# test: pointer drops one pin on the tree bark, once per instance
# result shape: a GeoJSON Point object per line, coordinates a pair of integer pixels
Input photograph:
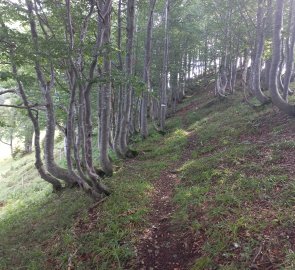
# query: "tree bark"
{"type": "Point", "coordinates": [259, 47]}
{"type": "Point", "coordinates": [127, 88]}
{"type": "Point", "coordinates": [163, 94]}
{"type": "Point", "coordinates": [105, 91]}
{"type": "Point", "coordinates": [45, 88]}
{"type": "Point", "coordinates": [29, 139]}
{"type": "Point", "coordinates": [275, 94]}
{"type": "Point", "coordinates": [289, 51]}
{"type": "Point", "coordinates": [147, 71]}
{"type": "Point", "coordinates": [34, 119]}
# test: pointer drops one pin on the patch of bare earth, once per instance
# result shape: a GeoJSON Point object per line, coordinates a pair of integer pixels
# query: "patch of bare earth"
{"type": "Point", "coordinates": [192, 106]}
{"type": "Point", "coordinates": [162, 245]}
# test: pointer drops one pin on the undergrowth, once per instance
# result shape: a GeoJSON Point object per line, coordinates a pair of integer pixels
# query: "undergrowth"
{"type": "Point", "coordinates": [236, 192]}
{"type": "Point", "coordinates": [42, 230]}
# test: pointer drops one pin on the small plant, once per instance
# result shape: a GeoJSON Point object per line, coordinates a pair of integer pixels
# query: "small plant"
{"type": "Point", "coordinates": [202, 263]}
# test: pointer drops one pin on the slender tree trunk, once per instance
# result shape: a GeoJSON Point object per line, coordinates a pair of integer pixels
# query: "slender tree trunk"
{"type": "Point", "coordinates": [174, 90]}
{"type": "Point", "coordinates": [105, 92]}
{"type": "Point", "coordinates": [120, 103]}
{"type": "Point", "coordinates": [45, 88]}
{"type": "Point", "coordinates": [127, 97]}
{"type": "Point", "coordinates": [267, 71]}
{"type": "Point", "coordinates": [235, 71]}
{"type": "Point", "coordinates": [206, 51]}
{"type": "Point", "coordinates": [70, 135]}
{"type": "Point", "coordinates": [146, 72]}
{"type": "Point", "coordinates": [259, 47]}
{"type": "Point", "coordinates": [163, 96]}
{"type": "Point", "coordinates": [80, 138]}
{"type": "Point", "coordinates": [34, 119]}
{"type": "Point", "coordinates": [29, 133]}
{"type": "Point", "coordinates": [245, 69]}
{"type": "Point", "coordinates": [11, 145]}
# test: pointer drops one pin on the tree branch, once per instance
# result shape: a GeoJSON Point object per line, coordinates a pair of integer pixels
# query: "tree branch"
{"type": "Point", "coordinates": [5, 143]}
{"type": "Point", "coordinates": [5, 91]}
{"type": "Point", "coordinates": [31, 107]}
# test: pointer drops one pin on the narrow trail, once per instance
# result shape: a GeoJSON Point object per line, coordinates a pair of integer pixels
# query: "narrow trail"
{"type": "Point", "coordinates": [164, 246]}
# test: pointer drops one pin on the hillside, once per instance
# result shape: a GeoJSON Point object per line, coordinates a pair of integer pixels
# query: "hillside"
{"type": "Point", "coordinates": [216, 192]}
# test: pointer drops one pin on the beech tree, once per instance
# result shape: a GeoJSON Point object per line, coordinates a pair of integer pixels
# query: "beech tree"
{"type": "Point", "coordinates": [102, 71]}
{"type": "Point", "coordinates": [127, 89]}
{"type": "Point", "coordinates": [105, 88]}
{"type": "Point", "coordinates": [147, 71]}
{"type": "Point", "coordinates": [257, 54]}
{"type": "Point", "coordinates": [277, 97]}
{"type": "Point", "coordinates": [164, 85]}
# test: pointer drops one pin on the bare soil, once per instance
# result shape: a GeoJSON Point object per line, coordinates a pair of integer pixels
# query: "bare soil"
{"type": "Point", "coordinates": [163, 245]}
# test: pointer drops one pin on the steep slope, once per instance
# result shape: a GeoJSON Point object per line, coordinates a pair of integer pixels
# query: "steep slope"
{"type": "Point", "coordinates": [216, 192]}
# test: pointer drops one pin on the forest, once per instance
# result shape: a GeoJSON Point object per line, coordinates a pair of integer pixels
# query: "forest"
{"type": "Point", "coordinates": [147, 134]}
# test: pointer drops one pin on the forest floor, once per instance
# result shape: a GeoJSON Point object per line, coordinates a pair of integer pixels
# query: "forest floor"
{"type": "Point", "coordinates": [216, 192]}
{"type": "Point", "coordinates": [162, 245]}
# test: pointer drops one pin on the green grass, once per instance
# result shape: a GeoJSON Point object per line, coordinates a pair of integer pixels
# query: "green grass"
{"type": "Point", "coordinates": [237, 183]}
{"type": "Point", "coordinates": [42, 230]}
{"type": "Point", "coordinates": [234, 192]}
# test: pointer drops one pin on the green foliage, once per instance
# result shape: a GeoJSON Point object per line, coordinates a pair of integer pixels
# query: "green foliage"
{"type": "Point", "coordinates": [5, 76]}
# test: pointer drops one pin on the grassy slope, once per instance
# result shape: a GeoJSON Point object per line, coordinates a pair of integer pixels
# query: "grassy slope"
{"type": "Point", "coordinates": [42, 230]}
{"type": "Point", "coordinates": [236, 193]}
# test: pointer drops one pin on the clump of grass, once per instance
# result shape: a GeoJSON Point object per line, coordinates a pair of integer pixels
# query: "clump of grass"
{"type": "Point", "coordinates": [284, 145]}
{"type": "Point", "coordinates": [203, 263]}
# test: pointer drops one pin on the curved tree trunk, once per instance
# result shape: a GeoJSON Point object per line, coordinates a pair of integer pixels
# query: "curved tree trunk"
{"type": "Point", "coordinates": [79, 136]}
{"type": "Point", "coordinates": [70, 132]}
{"type": "Point", "coordinates": [45, 88]}
{"type": "Point", "coordinates": [259, 47]}
{"type": "Point", "coordinates": [34, 119]}
{"type": "Point", "coordinates": [289, 52]}
{"type": "Point", "coordinates": [276, 96]}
